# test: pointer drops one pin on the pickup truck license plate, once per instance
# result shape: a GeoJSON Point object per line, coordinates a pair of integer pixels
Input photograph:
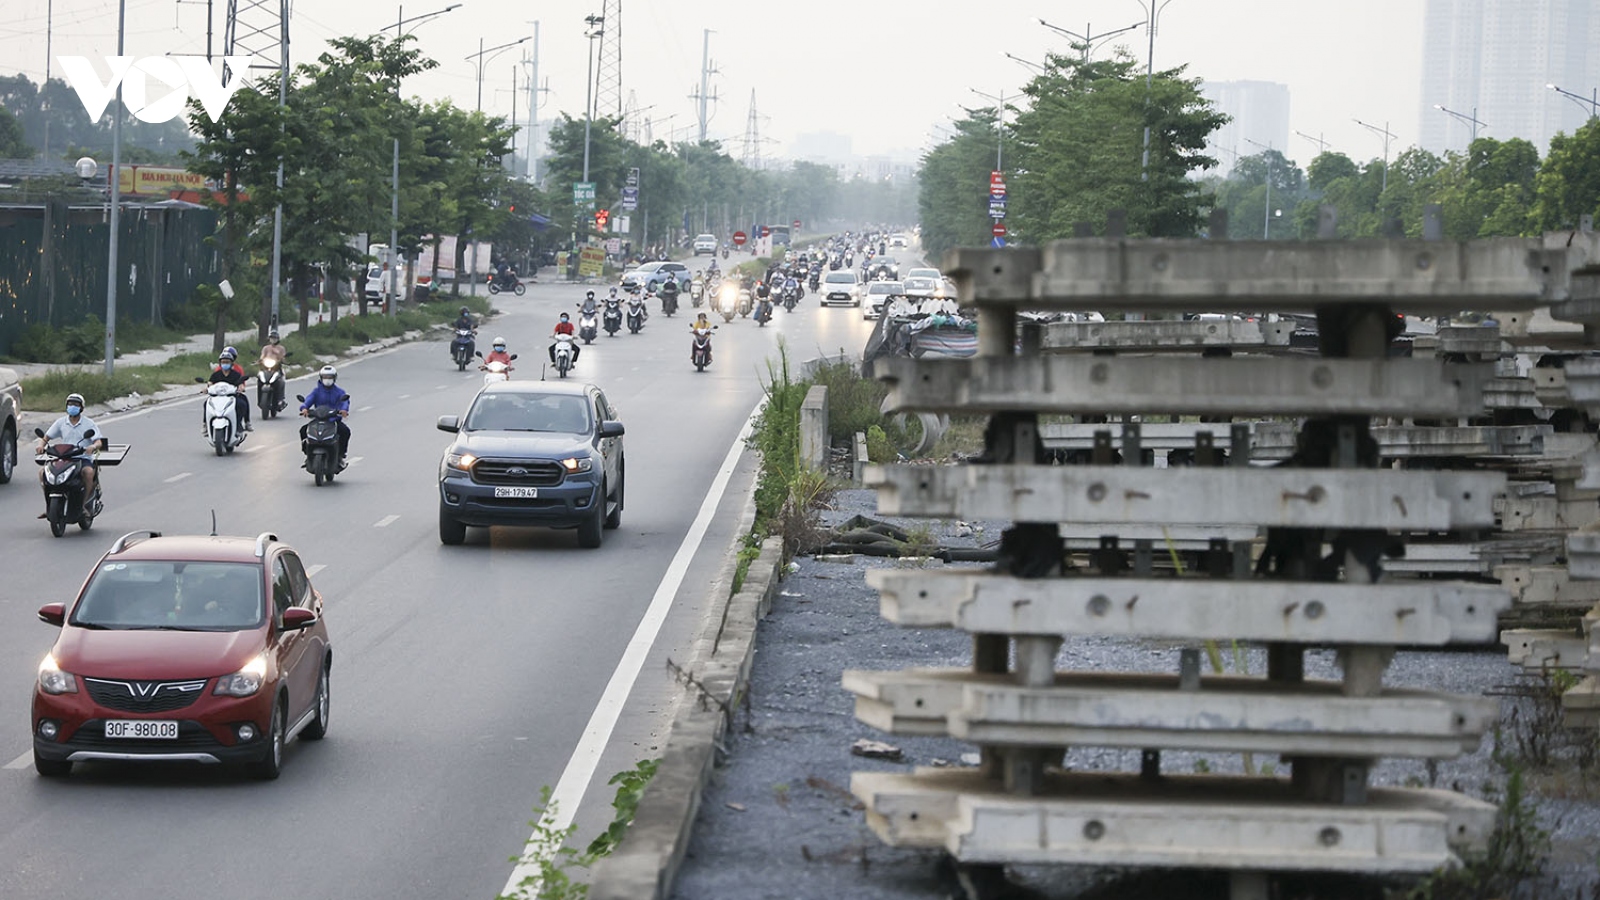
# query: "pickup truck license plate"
{"type": "Point", "coordinates": [142, 729]}
{"type": "Point", "coordinates": [516, 493]}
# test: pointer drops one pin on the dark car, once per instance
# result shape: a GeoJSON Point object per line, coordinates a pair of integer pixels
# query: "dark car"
{"type": "Point", "coordinates": [185, 649]}
{"type": "Point", "coordinates": [882, 268]}
{"type": "Point", "coordinates": [533, 453]}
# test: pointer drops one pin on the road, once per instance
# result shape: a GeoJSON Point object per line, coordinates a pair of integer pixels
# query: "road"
{"type": "Point", "coordinates": [463, 676]}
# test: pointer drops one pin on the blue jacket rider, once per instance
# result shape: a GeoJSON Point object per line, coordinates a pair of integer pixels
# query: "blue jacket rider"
{"type": "Point", "coordinates": [328, 393]}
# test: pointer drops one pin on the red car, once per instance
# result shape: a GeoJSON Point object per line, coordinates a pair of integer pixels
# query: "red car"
{"type": "Point", "coordinates": [197, 648]}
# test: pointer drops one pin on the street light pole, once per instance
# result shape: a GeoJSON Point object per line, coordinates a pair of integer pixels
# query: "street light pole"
{"type": "Point", "coordinates": [1266, 218]}
{"type": "Point", "coordinates": [116, 201]}
{"type": "Point", "coordinates": [1152, 21]}
{"type": "Point", "coordinates": [1593, 100]}
{"type": "Point", "coordinates": [1471, 120]}
{"type": "Point", "coordinates": [588, 88]}
{"type": "Point", "coordinates": [1387, 136]}
{"type": "Point", "coordinates": [999, 124]}
{"type": "Point", "coordinates": [1088, 39]}
{"type": "Point", "coordinates": [491, 52]}
{"type": "Point", "coordinates": [1322, 145]}
{"type": "Point", "coordinates": [394, 172]}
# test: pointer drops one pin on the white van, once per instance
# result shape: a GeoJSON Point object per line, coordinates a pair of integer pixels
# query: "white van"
{"type": "Point", "coordinates": [705, 243]}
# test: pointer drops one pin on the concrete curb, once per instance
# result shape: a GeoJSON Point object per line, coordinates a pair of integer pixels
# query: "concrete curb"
{"type": "Point", "coordinates": [645, 864]}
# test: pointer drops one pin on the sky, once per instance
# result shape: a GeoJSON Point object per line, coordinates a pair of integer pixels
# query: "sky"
{"type": "Point", "coordinates": [889, 73]}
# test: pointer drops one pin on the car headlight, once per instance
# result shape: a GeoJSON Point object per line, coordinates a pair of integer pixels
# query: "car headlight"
{"type": "Point", "coordinates": [577, 464]}
{"type": "Point", "coordinates": [54, 681]}
{"type": "Point", "coordinates": [461, 462]}
{"type": "Point", "coordinates": [246, 681]}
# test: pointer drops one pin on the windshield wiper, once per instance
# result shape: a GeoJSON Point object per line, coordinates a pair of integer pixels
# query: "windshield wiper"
{"type": "Point", "coordinates": [92, 626]}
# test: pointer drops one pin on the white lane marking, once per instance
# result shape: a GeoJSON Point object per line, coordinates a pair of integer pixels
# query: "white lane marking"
{"type": "Point", "coordinates": [363, 409]}
{"type": "Point", "coordinates": [311, 571]}
{"type": "Point", "coordinates": [585, 759]}
{"type": "Point", "coordinates": [178, 477]}
{"type": "Point", "coordinates": [440, 387]}
{"type": "Point", "coordinates": [354, 459]}
{"type": "Point", "coordinates": [405, 396]}
{"type": "Point", "coordinates": [385, 522]}
{"type": "Point", "coordinates": [21, 762]}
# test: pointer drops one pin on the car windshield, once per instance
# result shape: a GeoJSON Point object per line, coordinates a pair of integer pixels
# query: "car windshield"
{"type": "Point", "coordinates": [529, 412]}
{"type": "Point", "coordinates": [172, 596]}
{"type": "Point", "coordinates": [885, 287]}
{"type": "Point", "coordinates": [841, 278]}
{"type": "Point", "coordinates": [919, 283]}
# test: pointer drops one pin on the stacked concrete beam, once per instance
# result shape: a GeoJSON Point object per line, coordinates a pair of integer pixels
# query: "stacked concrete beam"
{"type": "Point", "coordinates": [1328, 515]}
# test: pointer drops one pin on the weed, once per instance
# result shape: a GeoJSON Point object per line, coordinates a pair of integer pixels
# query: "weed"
{"type": "Point", "coordinates": [1516, 853]}
{"type": "Point", "coordinates": [547, 851]}
{"type": "Point", "coordinates": [1202, 767]}
{"type": "Point", "coordinates": [780, 794]}
{"type": "Point", "coordinates": [630, 787]}
{"type": "Point", "coordinates": [854, 403]}
{"type": "Point", "coordinates": [879, 448]}
{"type": "Point", "coordinates": [747, 555]}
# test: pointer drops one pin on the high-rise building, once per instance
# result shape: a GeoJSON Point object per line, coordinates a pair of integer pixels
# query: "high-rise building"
{"type": "Point", "coordinates": [1491, 60]}
{"type": "Point", "coordinates": [1259, 111]}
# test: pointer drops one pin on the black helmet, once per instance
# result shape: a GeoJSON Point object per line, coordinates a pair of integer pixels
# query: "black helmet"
{"type": "Point", "coordinates": [464, 310]}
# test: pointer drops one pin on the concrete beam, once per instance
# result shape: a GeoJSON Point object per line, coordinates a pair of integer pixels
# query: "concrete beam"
{"type": "Point", "coordinates": [1583, 554]}
{"type": "Point", "coordinates": [1423, 277]}
{"type": "Point", "coordinates": [1225, 714]}
{"type": "Point", "coordinates": [1210, 822]}
{"type": "Point", "coordinates": [1167, 335]}
{"type": "Point", "coordinates": [1430, 613]}
{"type": "Point", "coordinates": [1293, 498]}
{"type": "Point", "coordinates": [1547, 586]}
{"type": "Point", "coordinates": [1276, 440]}
{"type": "Point", "coordinates": [1245, 386]}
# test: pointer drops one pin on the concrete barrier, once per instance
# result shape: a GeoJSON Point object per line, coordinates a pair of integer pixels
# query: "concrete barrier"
{"type": "Point", "coordinates": [645, 864]}
{"type": "Point", "coordinates": [814, 439]}
{"type": "Point", "coordinates": [860, 460]}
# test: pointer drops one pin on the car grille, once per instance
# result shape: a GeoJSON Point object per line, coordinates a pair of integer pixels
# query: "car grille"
{"type": "Point", "coordinates": [144, 696]}
{"type": "Point", "coordinates": [518, 474]}
{"type": "Point", "coordinates": [91, 735]}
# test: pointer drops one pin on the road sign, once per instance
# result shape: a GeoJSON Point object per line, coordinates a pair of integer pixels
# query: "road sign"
{"type": "Point", "coordinates": [999, 229]}
{"type": "Point", "coordinates": [765, 231]}
{"type": "Point", "coordinates": [630, 198]}
{"type": "Point", "coordinates": [796, 224]}
{"type": "Point", "coordinates": [633, 178]}
{"type": "Point", "coordinates": [583, 194]}
{"type": "Point", "coordinates": [997, 177]}
{"type": "Point", "coordinates": [739, 238]}
{"type": "Point", "coordinates": [997, 207]}
{"type": "Point", "coordinates": [613, 245]}
{"type": "Point", "coordinates": [998, 242]}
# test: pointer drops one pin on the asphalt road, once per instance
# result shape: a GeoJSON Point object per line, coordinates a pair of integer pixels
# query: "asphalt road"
{"type": "Point", "coordinates": [463, 676]}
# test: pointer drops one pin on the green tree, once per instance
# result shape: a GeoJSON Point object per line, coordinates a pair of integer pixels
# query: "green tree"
{"type": "Point", "coordinates": [12, 146]}
{"type": "Point", "coordinates": [1568, 185]}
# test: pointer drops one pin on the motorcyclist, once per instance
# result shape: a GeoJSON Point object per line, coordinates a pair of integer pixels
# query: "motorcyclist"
{"type": "Point", "coordinates": [669, 290]}
{"type": "Point", "coordinates": [564, 327]}
{"type": "Point", "coordinates": [328, 393]}
{"type": "Point", "coordinates": [497, 353]}
{"type": "Point", "coordinates": [589, 305]}
{"type": "Point", "coordinates": [505, 275]}
{"type": "Point", "coordinates": [791, 287]}
{"type": "Point", "coordinates": [227, 369]}
{"type": "Point", "coordinates": [273, 350]}
{"type": "Point", "coordinates": [699, 327]}
{"type": "Point", "coordinates": [464, 320]}
{"type": "Point", "coordinates": [70, 429]}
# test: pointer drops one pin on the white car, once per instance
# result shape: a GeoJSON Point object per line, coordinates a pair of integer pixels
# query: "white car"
{"type": "Point", "coordinates": [897, 240]}
{"type": "Point", "coordinates": [840, 287]}
{"type": "Point", "coordinates": [705, 243]}
{"type": "Point", "coordinates": [878, 294]}
{"type": "Point", "coordinates": [921, 286]}
{"type": "Point", "coordinates": [923, 273]}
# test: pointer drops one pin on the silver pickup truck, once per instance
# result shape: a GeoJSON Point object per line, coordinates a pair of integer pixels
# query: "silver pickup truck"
{"type": "Point", "coordinates": [10, 407]}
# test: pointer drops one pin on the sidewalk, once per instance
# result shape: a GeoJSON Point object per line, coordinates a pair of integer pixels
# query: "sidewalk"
{"type": "Point", "coordinates": [199, 343]}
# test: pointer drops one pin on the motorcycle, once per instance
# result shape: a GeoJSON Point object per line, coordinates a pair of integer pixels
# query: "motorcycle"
{"type": "Point", "coordinates": [222, 417]}
{"type": "Point", "coordinates": [612, 318]}
{"type": "Point", "coordinates": [700, 351]}
{"type": "Point", "coordinates": [320, 444]}
{"type": "Point", "coordinates": [510, 283]}
{"type": "Point", "coordinates": [724, 252]}
{"type": "Point", "coordinates": [64, 502]}
{"type": "Point", "coordinates": [697, 293]}
{"type": "Point", "coordinates": [791, 296]}
{"type": "Point", "coordinates": [746, 301]}
{"type": "Point", "coordinates": [727, 302]}
{"type": "Point", "coordinates": [588, 326]}
{"type": "Point", "coordinates": [635, 315]}
{"type": "Point", "coordinates": [496, 371]}
{"type": "Point", "coordinates": [462, 348]}
{"type": "Point", "coordinates": [563, 354]}
{"type": "Point", "coordinates": [764, 312]}
{"type": "Point", "coordinates": [816, 280]}
{"type": "Point", "coordinates": [669, 303]}
{"type": "Point", "coordinates": [269, 388]}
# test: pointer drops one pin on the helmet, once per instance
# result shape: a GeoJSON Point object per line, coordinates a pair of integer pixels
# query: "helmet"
{"type": "Point", "coordinates": [565, 317]}
{"type": "Point", "coordinates": [328, 375]}
{"type": "Point", "coordinates": [272, 336]}
{"type": "Point", "coordinates": [500, 343]}
{"type": "Point", "coordinates": [589, 295]}
{"type": "Point", "coordinates": [75, 399]}
{"type": "Point", "coordinates": [226, 357]}
{"type": "Point", "coordinates": [464, 310]}
{"type": "Point", "coordinates": [230, 352]}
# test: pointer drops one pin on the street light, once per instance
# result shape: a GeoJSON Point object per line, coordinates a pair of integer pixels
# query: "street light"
{"type": "Point", "coordinates": [1387, 136]}
{"type": "Point", "coordinates": [1471, 120]}
{"type": "Point", "coordinates": [1592, 101]}
{"type": "Point", "coordinates": [595, 30]}
{"type": "Point", "coordinates": [115, 177]}
{"type": "Point", "coordinates": [1088, 40]}
{"type": "Point", "coordinates": [492, 53]}
{"type": "Point", "coordinates": [1153, 21]}
{"type": "Point", "coordinates": [1027, 62]}
{"type": "Point", "coordinates": [1322, 145]}
{"type": "Point", "coordinates": [1266, 215]}
{"type": "Point", "coordinates": [999, 122]}
{"type": "Point", "coordinates": [400, 21]}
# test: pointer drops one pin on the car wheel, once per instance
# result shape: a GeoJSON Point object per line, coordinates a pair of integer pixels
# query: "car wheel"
{"type": "Point", "coordinates": [8, 453]}
{"type": "Point", "coordinates": [451, 532]}
{"type": "Point", "coordinates": [318, 729]}
{"type": "Point", "coordinates": [51, 768]}
{"type": "Point", "coordinates": [614, 518]}
{"type": "Point", "coordinates": [270, 765]}
{"type": "Point", "coordinates": [593, 524]}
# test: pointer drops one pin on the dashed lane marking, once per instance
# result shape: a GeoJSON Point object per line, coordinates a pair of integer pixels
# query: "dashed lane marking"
{"type": "Point", "coordinates": [178, 477]}
{"type": "Point", "coordinates": [21, 762]}
{"type": "Point", "coordinates": [385, 522]}
{"type": "Point", "coordinates": [311, 571]}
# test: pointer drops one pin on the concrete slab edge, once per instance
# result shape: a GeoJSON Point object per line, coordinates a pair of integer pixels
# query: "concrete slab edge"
{"type": "Point", "coordinates": [645, 864]}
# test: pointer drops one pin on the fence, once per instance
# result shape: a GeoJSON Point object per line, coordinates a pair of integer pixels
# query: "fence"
{"type": "Point", "coordinates": [53, 262]}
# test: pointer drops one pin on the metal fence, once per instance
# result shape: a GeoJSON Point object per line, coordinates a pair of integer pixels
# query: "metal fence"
{"type": "Point", "coordinates": [53, 263]}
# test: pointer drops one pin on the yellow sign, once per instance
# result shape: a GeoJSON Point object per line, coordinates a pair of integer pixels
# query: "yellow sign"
{"type": "Point", "coordinates": [591, 261]}
{"type": "Point", "coordinates": [158, 180]}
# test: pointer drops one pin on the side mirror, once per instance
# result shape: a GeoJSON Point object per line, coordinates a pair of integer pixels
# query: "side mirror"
{"type": "Point", "coordinates": [300, 397]}
{"type": "Point", "coordinates": [38, 432]}
{"type": "Point", "coordinates": [514, 356]}
{"type": "Point", "coordinates": [53, 614]}
{"type": "Point", "coordinates": [296, 618]}
{"type": "Point", "coordinates": [452, 424]}
{"type": "Point", "coordinates": [199, 380]}
{"type": "Point", "coordinates": [611, 428]}
{"type": "Point", "coordinates": [478, 354]}
{"type": "Point", "coordinates": [89, 435]}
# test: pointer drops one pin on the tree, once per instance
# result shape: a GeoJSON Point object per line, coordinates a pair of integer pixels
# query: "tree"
{"type": "Point", "coordinates": [1568, 185]}
{"type": "Point", "coordinates": [12, 146]}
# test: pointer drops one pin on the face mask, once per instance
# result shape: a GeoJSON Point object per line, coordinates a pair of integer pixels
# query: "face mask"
{"type": "Point", "coordinates": [74, 410]}
{"type": "Point", "coordinates": [327, 382]}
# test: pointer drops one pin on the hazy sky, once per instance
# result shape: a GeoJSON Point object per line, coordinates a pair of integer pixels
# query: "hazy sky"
{"type": "Point", "coordinates": [886, 72]}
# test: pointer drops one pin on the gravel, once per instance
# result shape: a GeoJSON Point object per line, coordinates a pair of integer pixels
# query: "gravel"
{"type": "Point", "coordinates": [777, 819]}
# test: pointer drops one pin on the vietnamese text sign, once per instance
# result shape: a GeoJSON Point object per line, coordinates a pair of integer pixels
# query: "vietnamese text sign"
{"type": "Point", "coordinates": [591, 260]}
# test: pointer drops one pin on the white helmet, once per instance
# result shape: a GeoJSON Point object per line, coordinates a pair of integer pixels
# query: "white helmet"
{"type": "Point", "coordinates": [328, 375]}
{"type": "Point", "coordinates": [500, 344]}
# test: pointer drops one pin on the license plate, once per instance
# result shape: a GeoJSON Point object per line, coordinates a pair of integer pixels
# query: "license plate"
{"type": "Point", "coordinates": [143, 729]}
{"type": "Point", "coordinates": [516, 493]}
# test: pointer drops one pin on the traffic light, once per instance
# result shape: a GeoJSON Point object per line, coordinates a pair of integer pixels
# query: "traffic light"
{"type": "Point", "coordinates": [601, 216]}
